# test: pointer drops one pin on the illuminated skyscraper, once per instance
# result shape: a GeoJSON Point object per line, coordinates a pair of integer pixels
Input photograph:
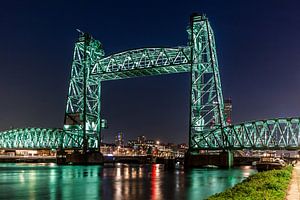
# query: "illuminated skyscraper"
{"type": "Point", "coordinates": [228, 110]}
{"type": "Point", "coordinates": [119, 139]}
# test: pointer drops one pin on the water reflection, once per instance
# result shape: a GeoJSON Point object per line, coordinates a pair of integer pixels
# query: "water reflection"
{"type": "Point", "coordinates": [36, 181]}
{"type": "Point", "coordinates": [155, 182]}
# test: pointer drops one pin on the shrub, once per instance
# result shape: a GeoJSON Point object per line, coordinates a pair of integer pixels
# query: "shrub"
{"type": "Point", "coordinates": [263, 185]}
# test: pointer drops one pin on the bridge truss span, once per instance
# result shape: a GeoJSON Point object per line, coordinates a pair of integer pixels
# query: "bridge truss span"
{"type": "Point", "coordinates": [38, 138]}
{"type": "Point", "coordinates": [142, 62]}
{"type": "Point", "coordinates": [280, 133]}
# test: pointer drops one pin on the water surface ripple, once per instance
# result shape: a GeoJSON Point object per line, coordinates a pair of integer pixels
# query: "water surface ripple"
{"type": "Point", "coordinates": [120, 181]}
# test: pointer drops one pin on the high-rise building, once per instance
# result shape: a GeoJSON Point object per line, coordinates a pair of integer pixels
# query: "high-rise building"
{"type": "Point", "coordinates": [228, 110]}
{"type": "Point", "coordinates": [141, 139]}
{"type": "Point", "coordinates": [119, 139]}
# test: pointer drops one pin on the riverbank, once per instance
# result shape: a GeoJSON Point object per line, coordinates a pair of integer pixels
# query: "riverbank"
{"type": "Point", "coordinates": [264, 185]}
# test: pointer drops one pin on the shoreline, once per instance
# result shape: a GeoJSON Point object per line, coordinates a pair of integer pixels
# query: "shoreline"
{"type": "Point", "coordinates": [271, 184]}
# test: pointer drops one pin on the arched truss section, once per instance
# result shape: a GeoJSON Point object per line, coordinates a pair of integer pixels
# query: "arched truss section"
{"type": "Point", "coordinates": [39, 138]}
{"type": "Point", "coordinates": [84, 96]}
{"type": "Point", "coordinates": [143, 62]}
{"type": "Point", "coordinates": [263, 134]}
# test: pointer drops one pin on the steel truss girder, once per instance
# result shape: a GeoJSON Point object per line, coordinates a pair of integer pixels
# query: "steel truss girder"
{"type": "Point", "coordinates": [39, 138]}
{"type": "Point", "coordinates": [263, 134]}
{"type": "Point", "coordinates": [143, 62]}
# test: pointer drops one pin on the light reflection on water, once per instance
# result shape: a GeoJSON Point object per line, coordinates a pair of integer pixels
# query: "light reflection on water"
{"type": "Point", "coordinates": [48, 181]}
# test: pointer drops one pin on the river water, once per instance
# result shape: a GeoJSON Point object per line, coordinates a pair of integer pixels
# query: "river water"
{"type": "Point", "coordinates": [121, 181]}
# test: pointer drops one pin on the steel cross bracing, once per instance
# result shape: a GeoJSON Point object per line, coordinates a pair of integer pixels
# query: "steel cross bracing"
{"type": "Point", "coordinates": [83, 102]}
{"type": "Point", "coordinates": [142, 62]}
{"type": "Point", "coordinates": [206, 93]}
{"type": "Point", "coordinates": [207, 129]}
{"type": "Point", "coordinates": [38, 138]}
{"type": "Point", "coordinates": [281, 133]}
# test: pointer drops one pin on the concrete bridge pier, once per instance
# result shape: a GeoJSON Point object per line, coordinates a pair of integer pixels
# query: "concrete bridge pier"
{"type": "Point", "coordinates": [222, 159]}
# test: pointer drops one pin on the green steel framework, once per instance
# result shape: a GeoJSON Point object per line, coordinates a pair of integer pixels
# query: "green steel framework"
{"type": "Point", "coordinates": [207, 130]}
{"type": "Point", "coordinates": [36, 138]}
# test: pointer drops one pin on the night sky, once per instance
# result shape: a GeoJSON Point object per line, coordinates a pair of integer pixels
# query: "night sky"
{"type": "Point", "coordinates": [258, 46]}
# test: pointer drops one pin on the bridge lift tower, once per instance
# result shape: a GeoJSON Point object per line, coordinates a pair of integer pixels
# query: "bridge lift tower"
{"type": "Point", "coordinates": [90, 68]}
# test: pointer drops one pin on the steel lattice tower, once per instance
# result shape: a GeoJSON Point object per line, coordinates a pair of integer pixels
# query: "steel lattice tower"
{"type": "Point", "coordinates": [83, 108]}
{"type": "Point", "coordinates": [207, 105]}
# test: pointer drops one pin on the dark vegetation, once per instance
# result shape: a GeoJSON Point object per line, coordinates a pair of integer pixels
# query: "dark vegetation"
{"type": "Point", "coordinates": [270, 185]}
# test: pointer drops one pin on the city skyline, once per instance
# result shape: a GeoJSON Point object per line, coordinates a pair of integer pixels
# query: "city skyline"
{"type": "Point", "coordinates": [258, 66]}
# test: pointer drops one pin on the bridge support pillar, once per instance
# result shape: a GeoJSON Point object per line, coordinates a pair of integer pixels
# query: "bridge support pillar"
{"type": "Point", "coordinates": [226, 158]}
{"type": "Point", "coordinates": [223, 159]}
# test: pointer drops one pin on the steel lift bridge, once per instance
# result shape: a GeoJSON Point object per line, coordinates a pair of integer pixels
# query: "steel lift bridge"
{"type": "Point", "coordinates": [207, 128]}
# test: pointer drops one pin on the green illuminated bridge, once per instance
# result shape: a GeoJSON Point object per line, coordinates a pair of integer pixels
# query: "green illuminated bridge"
{"type": "Point", "coordinates": [207, 129]}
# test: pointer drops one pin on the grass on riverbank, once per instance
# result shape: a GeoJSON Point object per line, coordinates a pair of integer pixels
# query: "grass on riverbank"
{"type": "Point", "coordinates": [264, 185]}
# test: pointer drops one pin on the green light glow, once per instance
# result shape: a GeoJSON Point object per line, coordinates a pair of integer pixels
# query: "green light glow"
{"type": "Point", "coordinates": [208, 129]}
